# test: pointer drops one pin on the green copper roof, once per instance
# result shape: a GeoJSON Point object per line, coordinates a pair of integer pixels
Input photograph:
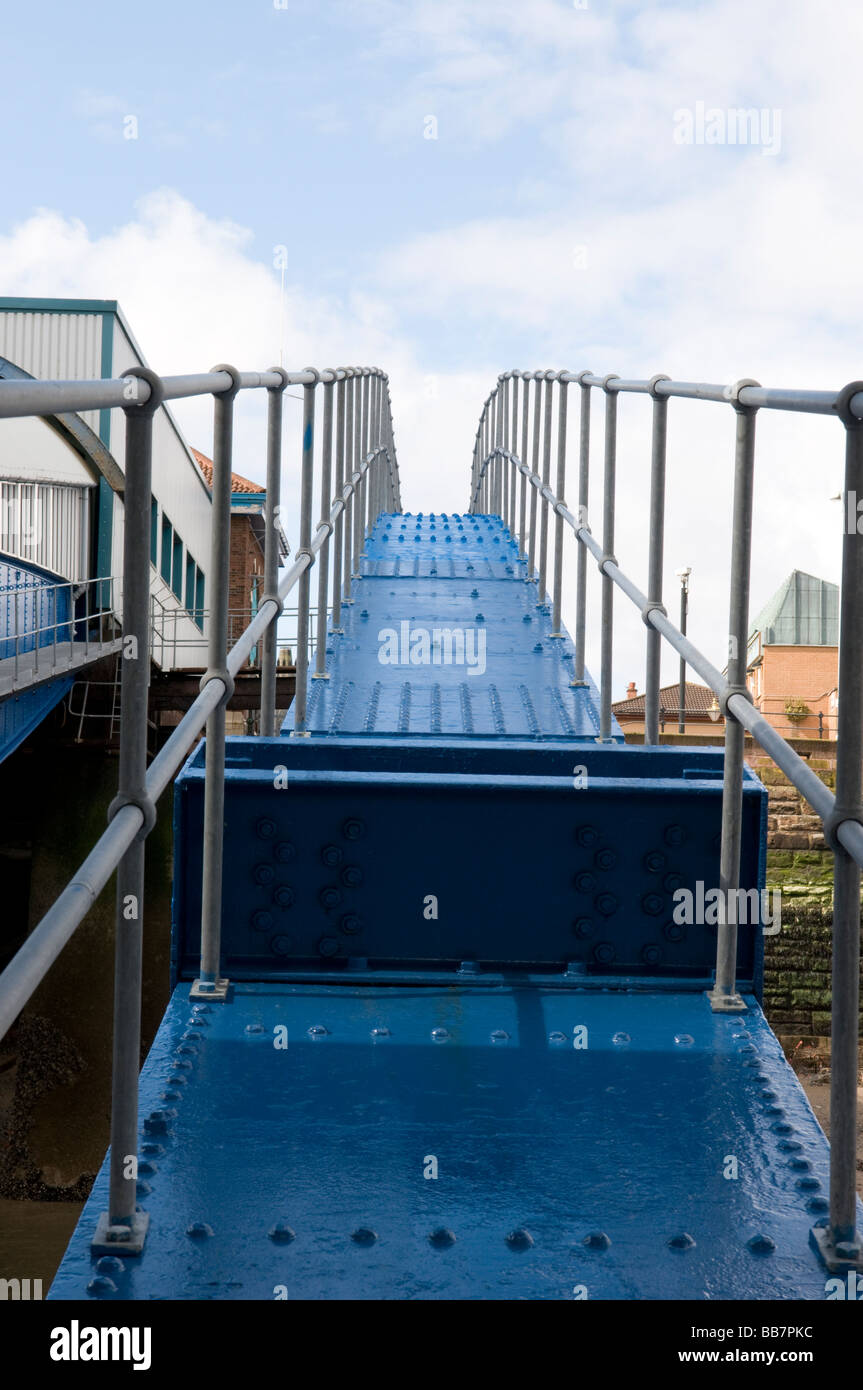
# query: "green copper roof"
{"type": "Point", "coordinates": [804, 612]}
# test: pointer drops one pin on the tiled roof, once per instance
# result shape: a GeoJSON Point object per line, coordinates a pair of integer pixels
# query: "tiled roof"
{"type": "Point", "coordinates": [698, 701]}
{"type": "Point", "coordinates": [238, 483]}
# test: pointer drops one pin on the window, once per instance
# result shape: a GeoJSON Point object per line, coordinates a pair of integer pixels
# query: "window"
{"type": "Point", "coordinates": [177, 574]}
{"type": "Point", "coordinates": [154, 531]}
{"type": "Point", "coordinates": [190, 583]}
{"type": "Point", "coordinates": [199, 599]}
{"type": "Point", "coordinates": [167, 548]}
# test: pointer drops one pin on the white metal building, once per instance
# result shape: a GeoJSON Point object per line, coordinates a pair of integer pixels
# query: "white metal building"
{"type": "Point", "coordinates": [61, 480]}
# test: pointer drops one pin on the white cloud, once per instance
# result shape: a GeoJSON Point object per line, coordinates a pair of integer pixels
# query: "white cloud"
{"type": "Point", "coordinates": [705, 262]}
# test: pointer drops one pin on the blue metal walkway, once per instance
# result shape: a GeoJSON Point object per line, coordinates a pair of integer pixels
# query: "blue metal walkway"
{"type": "Point", "coordinates": [467, 1051]}
{"type": "Point", "coordinates": [427, 573]}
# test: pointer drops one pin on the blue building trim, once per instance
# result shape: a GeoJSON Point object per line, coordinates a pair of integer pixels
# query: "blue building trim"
{"type": "Point", "coordinates": [24, 305]}
{"type": "Point", "coordinates": [105, 501]}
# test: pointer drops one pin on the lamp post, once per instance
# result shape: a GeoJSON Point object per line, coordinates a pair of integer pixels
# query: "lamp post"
{"type": "Point", "coordinates": [683, 576]}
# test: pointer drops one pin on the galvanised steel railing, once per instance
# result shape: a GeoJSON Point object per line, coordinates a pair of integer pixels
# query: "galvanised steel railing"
{"type": "Point", "coordinates": [359, 480]}
{"type": "Point", "coordinates": [53, 625]}
{"type": "Point", "coordinates": [499, 464]}
{"type": "Point", "coordinates": [169, 636]}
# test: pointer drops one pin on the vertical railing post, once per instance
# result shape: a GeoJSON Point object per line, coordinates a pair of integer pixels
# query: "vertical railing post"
{"type": "Point", "coordinates": [505, 445]}
{"type": "Point", "coordinates": [494, 471]}
{"type": "Point", "coordinates": [498, 445]}
{"type": "Point", "coordinates": [490, 465]}
{"type": "Point", "coordinates": [307, 479]}
{"type": "Point", "coordinates": [359, 454]}
{"type": "Point", "coordinates": [581, 557]}
{"type": "Point", "coordinates": [724, 997]}
{"type": "Point", "coordinates": [537, 424]}
{"type": "Point", "coordinates": [608, 499]}
{"type": "Point", "coordinates": [550, 378]}
{"type": "Point", "coordinates": [522, 510]}
{"type": "Point", "coordinates": [390, 502]}
{"type": "Point", "coordinates": [396, 487]}
{"type": "Point", "coordinates": [656, 542]}
{"type": "Point", "coordinates": [384, 464]}
{"type": "Point", "coordinates": [483, 456]}
{"type": "Point", "coordinates": [373, 443]}
{"type": "Point", "coordinates": [269, 642]}
{"type": "Point", "coordinates": [341, 392]}
{"type": "Point", "coordinates": [320, 674]}
{"type": "Point", "coordinates": [489, 462]}
{"type": "Point", "coordinates": [350, 428]}
{"type": "Point", "coordinates": [513, 447]}
{"type": "Point", "coordinates": [209, 982]}
{"type": "Point", "coordinates": [370, 420]}
{"type": "Point", "coordinates": [683, 575]}
{"type": "Point", "coordinates": [367, 444]}
{"type": "Point", "coordinates": [486, 467]}
{"type": "Point", "coordinates": [374, 480]}
{"type": "Point", "coordinates": [559, 489]}
{"type": "Point", "coordinates": [839, 1243]}
{"type": "Point", "coordinates": [480, 477]}
{"type": "Point", "coordinates": [365, 512]}
{"type": "Point", "coordinates": [122, 1229]}
{"type": "Point", "coordinates": [376, 445]}
{"type": "Point", "coordinates": [359, 501]}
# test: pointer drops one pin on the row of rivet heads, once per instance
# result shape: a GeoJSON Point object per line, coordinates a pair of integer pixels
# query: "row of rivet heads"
{"type": "Point", "coordinates": [443, 1238]}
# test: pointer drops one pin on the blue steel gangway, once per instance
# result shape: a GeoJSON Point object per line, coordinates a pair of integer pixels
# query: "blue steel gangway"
{"type": "Point", "coordinates": [437, 1029]}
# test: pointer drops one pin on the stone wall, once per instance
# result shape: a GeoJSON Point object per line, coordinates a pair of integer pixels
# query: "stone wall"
{"type": "Point", "coordinates": [797, 962]}
{"type": "Point", "coordinates": [797, 976]}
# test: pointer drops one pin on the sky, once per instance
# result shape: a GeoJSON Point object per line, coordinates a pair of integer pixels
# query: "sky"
{"type": "Point", "coordinates": [464, 187]}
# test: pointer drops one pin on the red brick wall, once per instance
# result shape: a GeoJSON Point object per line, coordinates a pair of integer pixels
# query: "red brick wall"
{"type": "Point", "coordinates": [803, 673]}
{"type": "Point", "coordinates": [247, 560]}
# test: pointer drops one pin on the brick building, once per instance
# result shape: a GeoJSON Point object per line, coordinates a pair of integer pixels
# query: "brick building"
{"type": "Point", "coordinates": [700, 715]}
{"type": "Point", "coordinates": [792, 660]}
{"type": "Point", "coordinates": [247, 547]}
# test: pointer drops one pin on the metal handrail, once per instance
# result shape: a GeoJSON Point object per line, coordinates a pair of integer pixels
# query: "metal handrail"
{"type": "Point", "coordinates": [238, 620]}
{"type": "Point", "coordinates": [361, 456]}
{"type": "Point", "coordinates": [819, 796]}
{"type": "Point", "coordinates": [498, 465]}
{"type": "Point", "coordinates": [26, 639]}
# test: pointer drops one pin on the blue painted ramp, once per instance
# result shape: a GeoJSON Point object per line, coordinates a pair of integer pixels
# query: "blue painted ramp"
{"type": "Point", "coordinates": [467, 1050]}
{"type": "Point", "coordinates": [459, 577]}
{"type": "Point", "coordinates": [600, 1166]}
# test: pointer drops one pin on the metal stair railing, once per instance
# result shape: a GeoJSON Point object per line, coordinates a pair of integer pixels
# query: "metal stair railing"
{"type": "Point", "coordinates": [498, 465]}
{"type": "Point", "coordinates": [359, 480]}
{"type": "Point", "coordinates": [52, 625]}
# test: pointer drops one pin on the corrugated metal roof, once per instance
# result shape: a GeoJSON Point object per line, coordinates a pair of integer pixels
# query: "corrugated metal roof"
{"type": "Point", "coordinates": [804, 612]}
